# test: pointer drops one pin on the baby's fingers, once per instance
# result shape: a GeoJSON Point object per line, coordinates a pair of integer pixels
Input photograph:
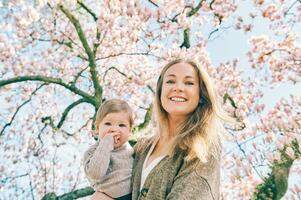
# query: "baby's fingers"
{"type": "Point", "coordinates": [115, 134]}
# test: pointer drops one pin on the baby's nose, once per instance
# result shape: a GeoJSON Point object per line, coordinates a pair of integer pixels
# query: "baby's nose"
{"type": "Point", "coordinates": [114, 129]}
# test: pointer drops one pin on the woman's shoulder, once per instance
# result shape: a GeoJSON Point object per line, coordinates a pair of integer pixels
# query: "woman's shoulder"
{"type": "Point", "coordinates": [209, 169]}
{"type": "Point", "coordinates": [202, 169]}
{"type": "Point", "coordinates": [143, 142]}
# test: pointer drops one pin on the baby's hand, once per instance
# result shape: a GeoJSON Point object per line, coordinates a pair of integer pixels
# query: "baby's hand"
{"type": "Point", "coordinates": [116, 136]}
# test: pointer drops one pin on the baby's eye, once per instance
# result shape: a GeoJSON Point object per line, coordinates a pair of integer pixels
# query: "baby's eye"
{"type": "Point", "coordinates": [122, 125]}
{"type": "Point", "coordinates": [107, 123]}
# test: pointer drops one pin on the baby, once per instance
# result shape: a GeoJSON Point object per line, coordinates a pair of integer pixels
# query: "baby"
{"type": "Point", "coordinates": [108, 163]}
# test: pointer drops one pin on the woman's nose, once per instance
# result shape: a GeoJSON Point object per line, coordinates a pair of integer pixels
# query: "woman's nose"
{"type": "Point", "coordinates": [178, 87]}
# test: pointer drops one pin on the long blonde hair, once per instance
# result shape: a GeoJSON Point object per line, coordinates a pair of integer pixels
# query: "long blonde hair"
{"type": "Point", "coordinates": [200, 133]}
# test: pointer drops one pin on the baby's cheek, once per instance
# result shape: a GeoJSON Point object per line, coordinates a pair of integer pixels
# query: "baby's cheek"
{"type": "Point", "coordinates": [102, 134]}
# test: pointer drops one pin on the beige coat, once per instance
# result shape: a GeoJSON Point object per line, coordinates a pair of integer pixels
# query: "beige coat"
{"type": "Point", "coordinates": [174, 178]}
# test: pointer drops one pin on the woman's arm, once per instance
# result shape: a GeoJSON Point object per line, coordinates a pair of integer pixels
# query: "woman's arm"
{"type": "Point", "coordinates": [97, 157]}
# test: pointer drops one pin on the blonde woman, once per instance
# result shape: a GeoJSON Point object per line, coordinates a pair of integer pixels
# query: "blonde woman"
{"type": "Point", "coordinates": [182, 159]}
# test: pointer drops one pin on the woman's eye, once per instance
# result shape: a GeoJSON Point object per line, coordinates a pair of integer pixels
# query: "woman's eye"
{"type": "Point", "coordinates": [122, 125]}
{"type": "Point", "coordinates": [107, 123]}
{"type": "Point", "coordinates": [189, 83]}
{"type": "Point", "coordinates": [170, 81]}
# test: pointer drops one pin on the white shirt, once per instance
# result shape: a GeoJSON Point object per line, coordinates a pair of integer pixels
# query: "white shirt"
{"type": "Point", "coordinates": [146, 170]}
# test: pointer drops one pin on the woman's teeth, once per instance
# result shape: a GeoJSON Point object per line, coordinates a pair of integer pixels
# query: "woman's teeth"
{"type": "Point", "coordinates": [177, 99]}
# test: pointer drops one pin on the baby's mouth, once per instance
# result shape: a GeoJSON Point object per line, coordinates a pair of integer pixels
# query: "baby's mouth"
{"type": "Point", "coordinates": [116, 140]}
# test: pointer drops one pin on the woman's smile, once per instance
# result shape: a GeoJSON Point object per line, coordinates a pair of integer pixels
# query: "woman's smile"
{"type": "Point", "coordinates": [178, 99]}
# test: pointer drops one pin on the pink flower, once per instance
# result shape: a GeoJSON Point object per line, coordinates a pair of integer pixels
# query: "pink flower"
{"type": "Point", "coordinates": [259, 2]}
{"type": "Point", "coordinates": [271, 12]}
{"type": "Point", "coordinates": [290, 152]}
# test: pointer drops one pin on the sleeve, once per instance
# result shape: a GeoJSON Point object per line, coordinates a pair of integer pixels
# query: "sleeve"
{"type": "Point", "coordinates": [97, 158]}
{"type": "Point", "coordinates": [197, 182]}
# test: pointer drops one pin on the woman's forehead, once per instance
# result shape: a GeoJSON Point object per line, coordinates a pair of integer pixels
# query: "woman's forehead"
{"type": "Point", "coordinates": [185, 70]}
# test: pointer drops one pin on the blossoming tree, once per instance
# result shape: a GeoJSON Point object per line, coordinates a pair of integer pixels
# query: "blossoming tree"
{"type": "Point", "coordinates": [59, 60]}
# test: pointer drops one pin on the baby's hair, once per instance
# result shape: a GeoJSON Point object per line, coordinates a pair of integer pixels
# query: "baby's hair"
{"type": "Point", "coordinates": [113, 106]}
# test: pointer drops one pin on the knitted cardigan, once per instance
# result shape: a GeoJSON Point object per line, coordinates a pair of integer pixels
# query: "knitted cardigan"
{"type": "Point", "coordinates": [175, 178]}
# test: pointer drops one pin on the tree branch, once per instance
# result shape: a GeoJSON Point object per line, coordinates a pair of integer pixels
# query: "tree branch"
{"type": "Point", "coordinates": [48, 121]}
{"type": "Point", "coordinates": [67, 110]}
{"type": "Point", "coordinates": [77, 76]}
{"type": "Point", "coordinates": [153, 3]}
{"type": "Point", "coordinates": [123, 74]}
{"type": "Point", "coordinates": [70, 195]}
{"type": "Point", "coordinates": [14, 177]}
{"type": "Point", "coordinates": [89, 52]}
{"type": "Point", "coordinates": [88, 10]}
{"type": "Point", "coordinates": [85, 125]}
{"type": "Point", "coordinates": [96, 45]}
{"type": "Point", "coordinates": [46, 79]}
{"type": "Point", "coordinates": [195, 9]}
{"type": "Point", "coordinates": [228, 97]}
{"type": "Point", "coordinates": [19, 107]}
{"type": "Point", "coordinates": [150, 88]}
{"type": "Point", "coordinates": [120, 72]}
{"type": "Point", "coordinates": [291, 6]}
{"type": "Point", "coordinates": [31, 187]}
{"type": "Point", "coordinates": [212, 32]}
{"type": "Point", "coordinates": [211, 4]}
{"type": "Point", "coordinates": [147, 119]}
{"type": "Point", "coordinates": [276, 184]}
{"type": "Point", "coordinates": [186, 42]}
{"type": "Point", "coordinates": [246, 157]}
{"type": "Point", "coordinates": [127, 54]}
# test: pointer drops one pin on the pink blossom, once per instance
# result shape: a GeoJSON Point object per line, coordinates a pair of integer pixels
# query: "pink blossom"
{"type": "Point", "coordinates": [290, 152]}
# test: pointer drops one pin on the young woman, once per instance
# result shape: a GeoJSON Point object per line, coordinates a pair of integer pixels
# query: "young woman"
{"type": "Point", "coordinates": [182, 159]}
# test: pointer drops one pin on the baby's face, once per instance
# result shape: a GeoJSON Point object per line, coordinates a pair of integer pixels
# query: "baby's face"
{"type": "Point", "coordinates": [116, 124]}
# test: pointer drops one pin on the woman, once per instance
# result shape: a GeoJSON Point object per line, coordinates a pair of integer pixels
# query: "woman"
{"type": "Point", "coordinates": [182, 159]}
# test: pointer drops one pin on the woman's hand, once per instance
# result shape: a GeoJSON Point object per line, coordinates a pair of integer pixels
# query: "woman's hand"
{"type": "Point", "coordinates": [100, 196]}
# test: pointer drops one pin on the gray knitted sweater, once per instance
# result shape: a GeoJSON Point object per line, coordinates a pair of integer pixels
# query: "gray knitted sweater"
{"type": "Point", "coordinates": [107, 169]}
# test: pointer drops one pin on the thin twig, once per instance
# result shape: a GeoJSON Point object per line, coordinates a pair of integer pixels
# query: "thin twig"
{"type": "Point", "coordinates": [153, 3]}
{"type": "Point", "coordinates": [19, 107]}
{"type": "Point", "coordinates": [88, 10]}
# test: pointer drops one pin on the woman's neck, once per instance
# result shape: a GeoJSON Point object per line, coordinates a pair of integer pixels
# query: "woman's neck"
{"type": "Point", "coordinates": [173, 123]}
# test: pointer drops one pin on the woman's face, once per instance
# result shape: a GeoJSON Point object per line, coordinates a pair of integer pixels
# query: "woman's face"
{"type": "Point", "coordinates": [180, 90]}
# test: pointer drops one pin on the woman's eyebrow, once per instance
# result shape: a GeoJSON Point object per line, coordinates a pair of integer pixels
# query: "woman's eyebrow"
{"type": "Point", "coordinates": [172, 75]}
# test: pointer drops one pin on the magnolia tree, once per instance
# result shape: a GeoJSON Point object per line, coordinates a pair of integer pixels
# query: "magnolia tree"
{"type": "Point", "coordinates": [61, 59]}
